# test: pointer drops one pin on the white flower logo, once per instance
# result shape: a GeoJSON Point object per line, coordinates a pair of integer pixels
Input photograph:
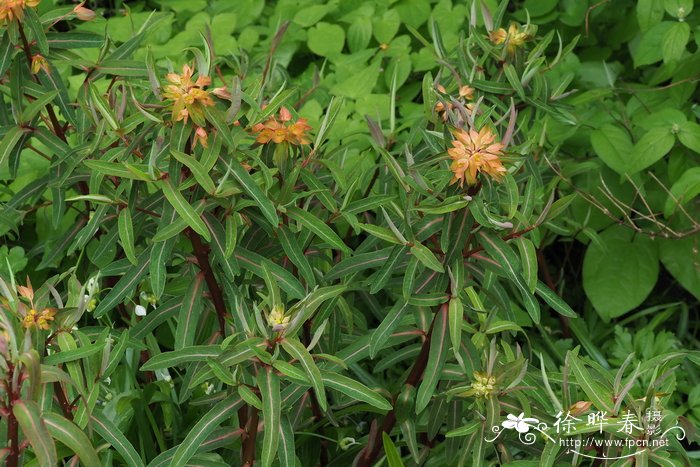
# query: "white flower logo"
{"type": "Point", "coordinates": [520, 423]}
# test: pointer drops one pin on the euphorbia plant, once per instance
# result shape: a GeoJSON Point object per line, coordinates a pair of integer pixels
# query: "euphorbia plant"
{"type": "Point", "coordinates": [236, 285]}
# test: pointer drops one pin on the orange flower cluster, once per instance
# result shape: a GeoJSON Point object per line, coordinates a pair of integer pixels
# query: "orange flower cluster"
{"type": "Point", "coordinates": [466, 93]}
{"type": "Point", "coordinates": [474, 152]}
{"type": "Point", "coordinates": [33, 318]}
{"type": "Point", "coordinates": [11, 10]}
{"type": "Point", "coordinates": [282, 130]}
{"type": "Point", "coordinates": [189, 98]}
{"type": "Point", "coordinates": [514, 38]}
{"type": "Point", "coordinates": [40, 319]}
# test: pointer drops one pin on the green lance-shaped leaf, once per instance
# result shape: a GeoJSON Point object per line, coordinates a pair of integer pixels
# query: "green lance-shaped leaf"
{"type": "Point", "coordinates": [126, 234]}
{"type": "Point", "coordinates": [456, 316]}
{"type": "Point", "coordinates": [354, 390]}
{"type": "Point", "coordinates": [8, 143]}
{"type": "Point", "coordinates": [286, 280]}
{"type": "Point", "coordinates": [199, 172]}
{"type": "Point", "coordinates": [554, 300]}
{"type": "Point", "coordinates": [318, 227]}
{"type": "Point", "coordinates": [599, 394]}
{"type": "Point", "coordinates": [439, 344]}
{"type": "Point", "coordinates": [294, 252]}
{"type": "Point", "coordinates": [297, 350]}
{"type": "Point", "coordinates": [269, 385]}
{"type": "Point", "coordinates": [393, 458]}
{"type": "Point", "coordinates": [190, 311]}
{"type": "Point", "coordinates": [71, 435]}
{"type": "Point", "coordinates": [28, 416]}
{"type": "Point", "coordinates": [184, 209]}
{"type": "Point", "coordinates": [203, 428]}
{"type": "Point", "coordinates": [357, 263]}
{"type": "Point", "coordinates": [528, 259]}
{"type": "Point", "coordinates": [195, 353]}
{"type": "Point", "coordinates": [35, 107]}
{"type": "Point", "coordinates": [508, 261]}
{"type": "Point", "coordinates": [253, 190]}
{"type": "Point", "coordinates": [427, 257]}
{"type": "Point", "coordinates": [111, 433]}
{"type": "Point", "coordinates": [381, 335]}
{"type": "Point", "coordinates": [125, 285]}
{"type": "Point", "coordinates": [287, 450]}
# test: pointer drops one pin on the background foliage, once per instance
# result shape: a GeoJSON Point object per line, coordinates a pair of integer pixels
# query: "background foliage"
{"type": "Point", "coordinates": [225, 301]}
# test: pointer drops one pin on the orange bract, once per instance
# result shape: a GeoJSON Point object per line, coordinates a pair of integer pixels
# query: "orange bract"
{"type": "Point", "coordinates": [282, 130]}
{"type": "Point", "coordinates": [11, 10]}
{"type": "Point", "coordinates": [188, 97]}
{"type": "Point", "coordinates": [39, 319]}
{"type": "Point", "coordinates": [513, 38]}
{"type": "Point", "coordinates": [474, 152]}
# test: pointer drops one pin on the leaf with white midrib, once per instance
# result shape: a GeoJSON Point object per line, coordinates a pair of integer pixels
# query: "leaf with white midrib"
{"type": "Point", "coordinates": [110, 433]}
{"type": "Point", "coordinates": [207, 424]}
{"type": "Point", "coordinates": [269, 385]}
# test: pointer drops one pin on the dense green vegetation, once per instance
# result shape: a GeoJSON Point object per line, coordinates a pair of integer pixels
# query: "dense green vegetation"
{"type": "Point", "coordinates": [305, 232]}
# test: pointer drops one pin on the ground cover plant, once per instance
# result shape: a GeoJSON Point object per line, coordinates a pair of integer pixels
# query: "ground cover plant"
{"type": "Point", "coordinates": [408, 232]}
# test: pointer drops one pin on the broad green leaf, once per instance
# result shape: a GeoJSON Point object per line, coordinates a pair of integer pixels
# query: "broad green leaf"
{"type": "Point", "coordinates": [297, 350]}
{"type": "Point", "coordinates": [624, 260]}
{"type": "Point", "coordinates": [654, 145]}
{"type": "Point", "coordinates": [679, 257]}
{"type": "Point", "coordinates": [28, 415]}
{"type": "Point", "coordinates": [614, 146]}
{"type": "Point", "coordinates": [326, 39]}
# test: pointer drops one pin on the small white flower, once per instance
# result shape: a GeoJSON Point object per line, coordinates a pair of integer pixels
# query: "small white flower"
{"type": "Point", "coordinates": [140, 310]}
{"type": "Point", "coordinates": [209, 389]}
{"type": "Point", "coordinates": [520, 423]}
{"type": "Point", "coordinates": [108, 380]}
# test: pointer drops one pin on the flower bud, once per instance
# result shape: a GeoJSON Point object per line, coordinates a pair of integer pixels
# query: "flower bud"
{"type": "Point", "coordinates": [84, 14]}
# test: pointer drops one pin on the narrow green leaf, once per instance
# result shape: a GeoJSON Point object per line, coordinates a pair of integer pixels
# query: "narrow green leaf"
{"type": "Point", "coordinates": [253, 190]}
{"type": "Point", "coordinates": [297, 350]}
{"type": "Point", "coordinates": [318, 227]}
{"type": "Point", "coordinates": [71, 435]}
{"type": "Point", "coordinates": [355, 390]}
{"type": "Point", "coordinates": [195, 353]}
{"type": "Point", "coordinates": [380, 337]}
{"type": "Point", "coordinates": [35, 107]}
{"type": "Point", "coordinates": [8, 143]}
{"type": "Point", "coordinates": [269, 385]}
{"type": "Point", "coordinates": [554, 300]}
{"type": "Point", "coordinates": [439, 343]}
{"type": "Point", "coordinates": [125, 285]}
{"type": "Point", "coordinates": [456, 317]}
{"type": "Point", "coordinates": [293, 250]}
{"type": "Point", "coordinates": [28, 415]}
{"type": "Point", "coordinates": [426, 257]}
{"type": "Point", "coordinates": [393, 458]}
{"type": "Point", "coordinates": [203, 428]}
{"type": "Point", "coordinates": [253, 262]}
{"type": "Point", "coordinates": [184, 209]}
{"type": "Point", "coordinates": [596, 392]}
{"type": "Point", "coordinates": [111, 433]}
{"type": "Point", "coordinates": [126, 234]}
{"type": "Point", "coordinates": [190, 312]}
{"type": "Point", "coordinates": [199, 172]}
